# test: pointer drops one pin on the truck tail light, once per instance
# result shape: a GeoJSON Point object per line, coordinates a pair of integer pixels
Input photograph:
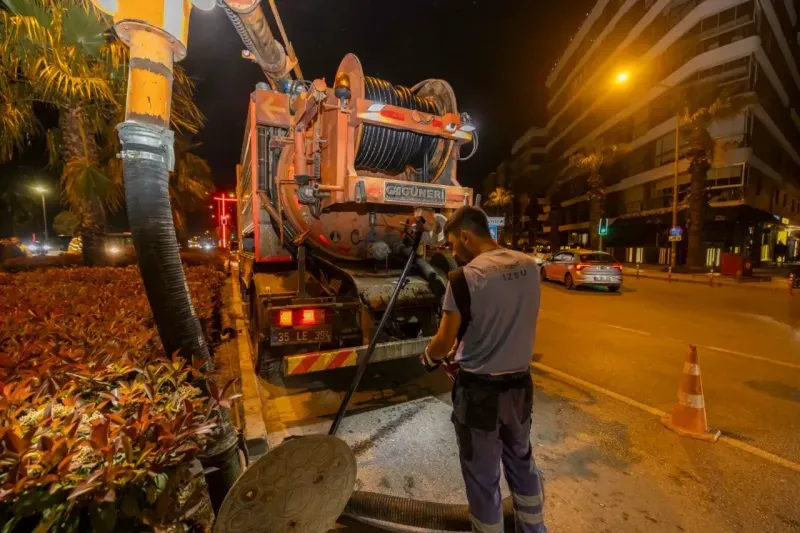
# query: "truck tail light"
{"type": "Point", "coordinates": [309, 317]}
{"type": "Point", "coordinates": [287, 318]}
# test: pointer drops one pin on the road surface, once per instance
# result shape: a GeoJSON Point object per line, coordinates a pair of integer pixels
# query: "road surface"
{"type": "Point", "coordinates": [608, 462]}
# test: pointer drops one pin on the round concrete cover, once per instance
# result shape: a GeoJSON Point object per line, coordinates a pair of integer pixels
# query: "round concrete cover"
{"type": "Point", "coordinates": [301, 486]}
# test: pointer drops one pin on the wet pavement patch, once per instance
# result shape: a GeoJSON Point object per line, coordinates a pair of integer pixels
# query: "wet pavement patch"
{"type": "Point", "coordinates": [776, 389]}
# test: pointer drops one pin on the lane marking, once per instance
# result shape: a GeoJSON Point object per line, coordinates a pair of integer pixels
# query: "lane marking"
{"type": "Point", "coordinates": [597, 388]}
{"type": "Point", "coordinates": [795, 366]}
{"type": "Point", "coordinates": [750, 356]}
{"type": "Point", "coordinates": [758, 452]}
{"type": "Point", "coordinates": [626, 329]}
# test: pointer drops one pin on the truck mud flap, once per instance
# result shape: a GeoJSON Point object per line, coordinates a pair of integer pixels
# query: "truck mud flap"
{"type": "Point", "coordinates": [307, 363]}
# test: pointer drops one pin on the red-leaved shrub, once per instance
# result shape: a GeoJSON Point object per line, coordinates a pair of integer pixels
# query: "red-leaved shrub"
{"type": "Point", "coordinates": [97, 424]}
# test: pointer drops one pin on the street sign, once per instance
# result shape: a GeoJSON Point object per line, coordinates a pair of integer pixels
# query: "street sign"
{"type": "Point", "coordinates": [675, 238]}
{"type": "Point", "coordinates": [675, 231]}
{"type": "Point", "coordinates": [493, 231]}
{"type": "Point", "coordinates": [602, 229]}
{"type": "Point", "coordinates": [500, 222]}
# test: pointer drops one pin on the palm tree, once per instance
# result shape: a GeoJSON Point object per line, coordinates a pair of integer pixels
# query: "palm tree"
{"type": "Point", "coordinates": [500, 198]}
{"type": "Point", "coordinates": [701, 152]}
{"type": "Point", "coordinates": [190, 185]}
{"type": "Point", "coordinates": [60, 53]}
{"type": "Point", "coordinates": [593, 163]}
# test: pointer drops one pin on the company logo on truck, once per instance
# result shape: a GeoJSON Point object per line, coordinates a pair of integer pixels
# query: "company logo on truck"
{"type": "Point", "coordinates": [411, 193]}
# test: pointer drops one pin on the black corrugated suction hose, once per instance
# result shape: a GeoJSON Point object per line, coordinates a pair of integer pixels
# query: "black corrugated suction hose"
{"type": "Point", "coordinates": [416, 513]}
{"type": "Point", "coordinates": [145, 156]}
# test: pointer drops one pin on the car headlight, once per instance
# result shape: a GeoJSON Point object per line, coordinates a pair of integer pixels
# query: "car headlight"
{"type": "Point", "coordinates": [113, 250]}
{"type": "Point", "coordinates": [46, 247]}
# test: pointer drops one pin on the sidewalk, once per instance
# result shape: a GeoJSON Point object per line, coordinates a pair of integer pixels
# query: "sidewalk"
{"type": "Point", "coordinates": [778, 281]}
{"type": "Point", "coordinates": [607, 466]}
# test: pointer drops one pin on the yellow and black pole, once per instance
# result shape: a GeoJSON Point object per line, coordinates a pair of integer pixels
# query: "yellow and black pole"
{"type": "Point", "coordinates": [156, 31]}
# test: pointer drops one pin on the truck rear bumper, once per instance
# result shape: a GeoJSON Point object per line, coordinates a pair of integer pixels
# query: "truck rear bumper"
{"type": "Point", "coordinates": [307, 363]}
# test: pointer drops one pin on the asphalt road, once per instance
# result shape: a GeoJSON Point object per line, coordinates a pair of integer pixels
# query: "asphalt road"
{"type": "Point", "coordinates": [634, 343]}
{"type": "Point", "coordinates": [606, 463]}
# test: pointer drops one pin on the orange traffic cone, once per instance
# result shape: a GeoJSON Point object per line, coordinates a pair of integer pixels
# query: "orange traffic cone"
{"type": "Point", "coordinates": [688, 418]}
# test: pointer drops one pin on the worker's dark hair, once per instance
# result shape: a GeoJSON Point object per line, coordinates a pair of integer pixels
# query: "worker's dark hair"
{"type": "Point", "coordinates": [468, 218]}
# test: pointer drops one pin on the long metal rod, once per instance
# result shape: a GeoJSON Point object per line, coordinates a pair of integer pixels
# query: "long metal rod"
{"type": "Point", "coordinates": [362, 363]}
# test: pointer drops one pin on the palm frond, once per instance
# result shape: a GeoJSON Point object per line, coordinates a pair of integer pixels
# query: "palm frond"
{"type": "Point", "coordinates": [17, 122]}
{"type": "Point", "coordinates": [85, 27]}
{"type": "Point", "coordinates": [87, 188]}
{"type": "Point", "coordinates": [59, 80]}
{"type": "Point", "coordinates": [55, 146]}
{"type": "Point", "coordinates": [186, 117]}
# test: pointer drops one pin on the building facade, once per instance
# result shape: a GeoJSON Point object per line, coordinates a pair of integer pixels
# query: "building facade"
{"type": "Point", "coordinates": [630, 69]}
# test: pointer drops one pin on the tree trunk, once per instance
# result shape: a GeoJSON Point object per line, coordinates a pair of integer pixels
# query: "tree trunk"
{"type": "Point", "coordinates": [79, 143]}
{"type": "Point", "coordinates": [597, 199]}
{"type": "Point", "coordinates": [697, 208]}
{"type": "Point", "coordinates": [555, 237]}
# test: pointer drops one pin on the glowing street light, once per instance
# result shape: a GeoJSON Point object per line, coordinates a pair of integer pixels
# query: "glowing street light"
{"type": "Point", "coordinates": [622, 78]}
{"type": "Point", "coordinates": [42, 190]}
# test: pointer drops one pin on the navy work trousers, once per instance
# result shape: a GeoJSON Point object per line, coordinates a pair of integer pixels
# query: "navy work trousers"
{"type": "Point", "coordinates": [492, 418]}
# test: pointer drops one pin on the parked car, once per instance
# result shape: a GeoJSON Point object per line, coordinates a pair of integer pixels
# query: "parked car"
{"type": "Point", "coordinates": [540, 253]}
{"type": "Point", "coordinates": [583, 267]}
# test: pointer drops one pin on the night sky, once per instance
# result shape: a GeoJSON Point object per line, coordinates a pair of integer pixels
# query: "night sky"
{"type": "Point", "coordinates": [495, 53]}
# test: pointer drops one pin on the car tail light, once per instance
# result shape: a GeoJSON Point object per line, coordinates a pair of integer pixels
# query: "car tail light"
{"type": "Point", "coordinates": [285, 318]}
{"type": "Point", "coordinates": [618, 267]}
{"type": "Point", "coordinates": [581, 267]}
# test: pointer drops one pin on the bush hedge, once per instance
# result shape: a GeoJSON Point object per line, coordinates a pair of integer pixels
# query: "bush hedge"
{"type": "Point", "coordinates": [97, 424]}
{"type": "Point", "coordinates": [126, 258]}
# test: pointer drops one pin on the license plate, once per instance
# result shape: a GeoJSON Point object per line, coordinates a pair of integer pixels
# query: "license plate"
{"type": "Point", "coordinates": [602, 278]}
{"type": "Point", "coordinates": [299, 336]}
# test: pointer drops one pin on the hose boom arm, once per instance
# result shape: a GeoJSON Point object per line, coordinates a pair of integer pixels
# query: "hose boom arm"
{"type": "Point", "coordinates": [252, 26]}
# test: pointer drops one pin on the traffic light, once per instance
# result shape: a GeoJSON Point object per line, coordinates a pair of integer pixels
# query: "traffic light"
{"type": "Point", "coordinates": [602, 228]}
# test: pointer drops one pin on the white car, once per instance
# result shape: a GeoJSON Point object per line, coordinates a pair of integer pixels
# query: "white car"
{"type": "Point", "coordinates": [583, 267]}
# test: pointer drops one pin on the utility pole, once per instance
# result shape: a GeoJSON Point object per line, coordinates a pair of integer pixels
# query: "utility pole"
{"type": "Point", "coordinates": [222, 214]}
{"type": "Point", "coordinates": [673, 242]}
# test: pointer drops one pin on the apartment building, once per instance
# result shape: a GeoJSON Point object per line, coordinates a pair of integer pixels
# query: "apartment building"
{"type": "Point", "coordinates": [625, 75]}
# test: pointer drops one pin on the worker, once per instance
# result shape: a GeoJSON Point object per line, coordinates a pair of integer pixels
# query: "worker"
{"type": "Point", "coordinates": [75, 245]}
{"type": "Point", "coordinates": [488, 328]}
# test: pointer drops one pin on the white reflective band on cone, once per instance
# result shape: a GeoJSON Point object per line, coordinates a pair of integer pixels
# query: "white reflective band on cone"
{"type": "Point", "coordinates": [691, 369]}
{"type": "Point", "coordinates": [694, 401]}
{"type": "Point", "coordinates": [480, 527]}
{"type": "Point", "coordinates": [527, 501]}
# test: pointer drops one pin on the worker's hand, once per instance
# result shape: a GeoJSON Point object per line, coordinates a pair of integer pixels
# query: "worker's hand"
{"type": "Point", "coordinates": [450, 367]}
{"type": "Point", "coordinates": [429, 363]}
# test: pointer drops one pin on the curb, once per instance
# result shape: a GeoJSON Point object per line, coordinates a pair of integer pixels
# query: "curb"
{"type": "Point", "coordinates": [755, 286]}
{"type": "Point", "coordinates": [255, 428]}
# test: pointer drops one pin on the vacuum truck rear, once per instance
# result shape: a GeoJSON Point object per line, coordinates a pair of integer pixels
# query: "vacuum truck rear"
{"type": "Point", "coordinates": [330, 183]}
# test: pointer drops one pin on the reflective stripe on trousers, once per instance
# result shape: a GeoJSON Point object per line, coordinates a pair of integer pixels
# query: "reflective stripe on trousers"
{"type": "Point", "coordinates": [482, 450]}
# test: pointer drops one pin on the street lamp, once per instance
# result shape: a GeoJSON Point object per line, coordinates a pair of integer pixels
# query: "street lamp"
{"type": "Point", "coordinates": [42, 190]}
{"type": "Point", "coordinates": [621, 79]}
